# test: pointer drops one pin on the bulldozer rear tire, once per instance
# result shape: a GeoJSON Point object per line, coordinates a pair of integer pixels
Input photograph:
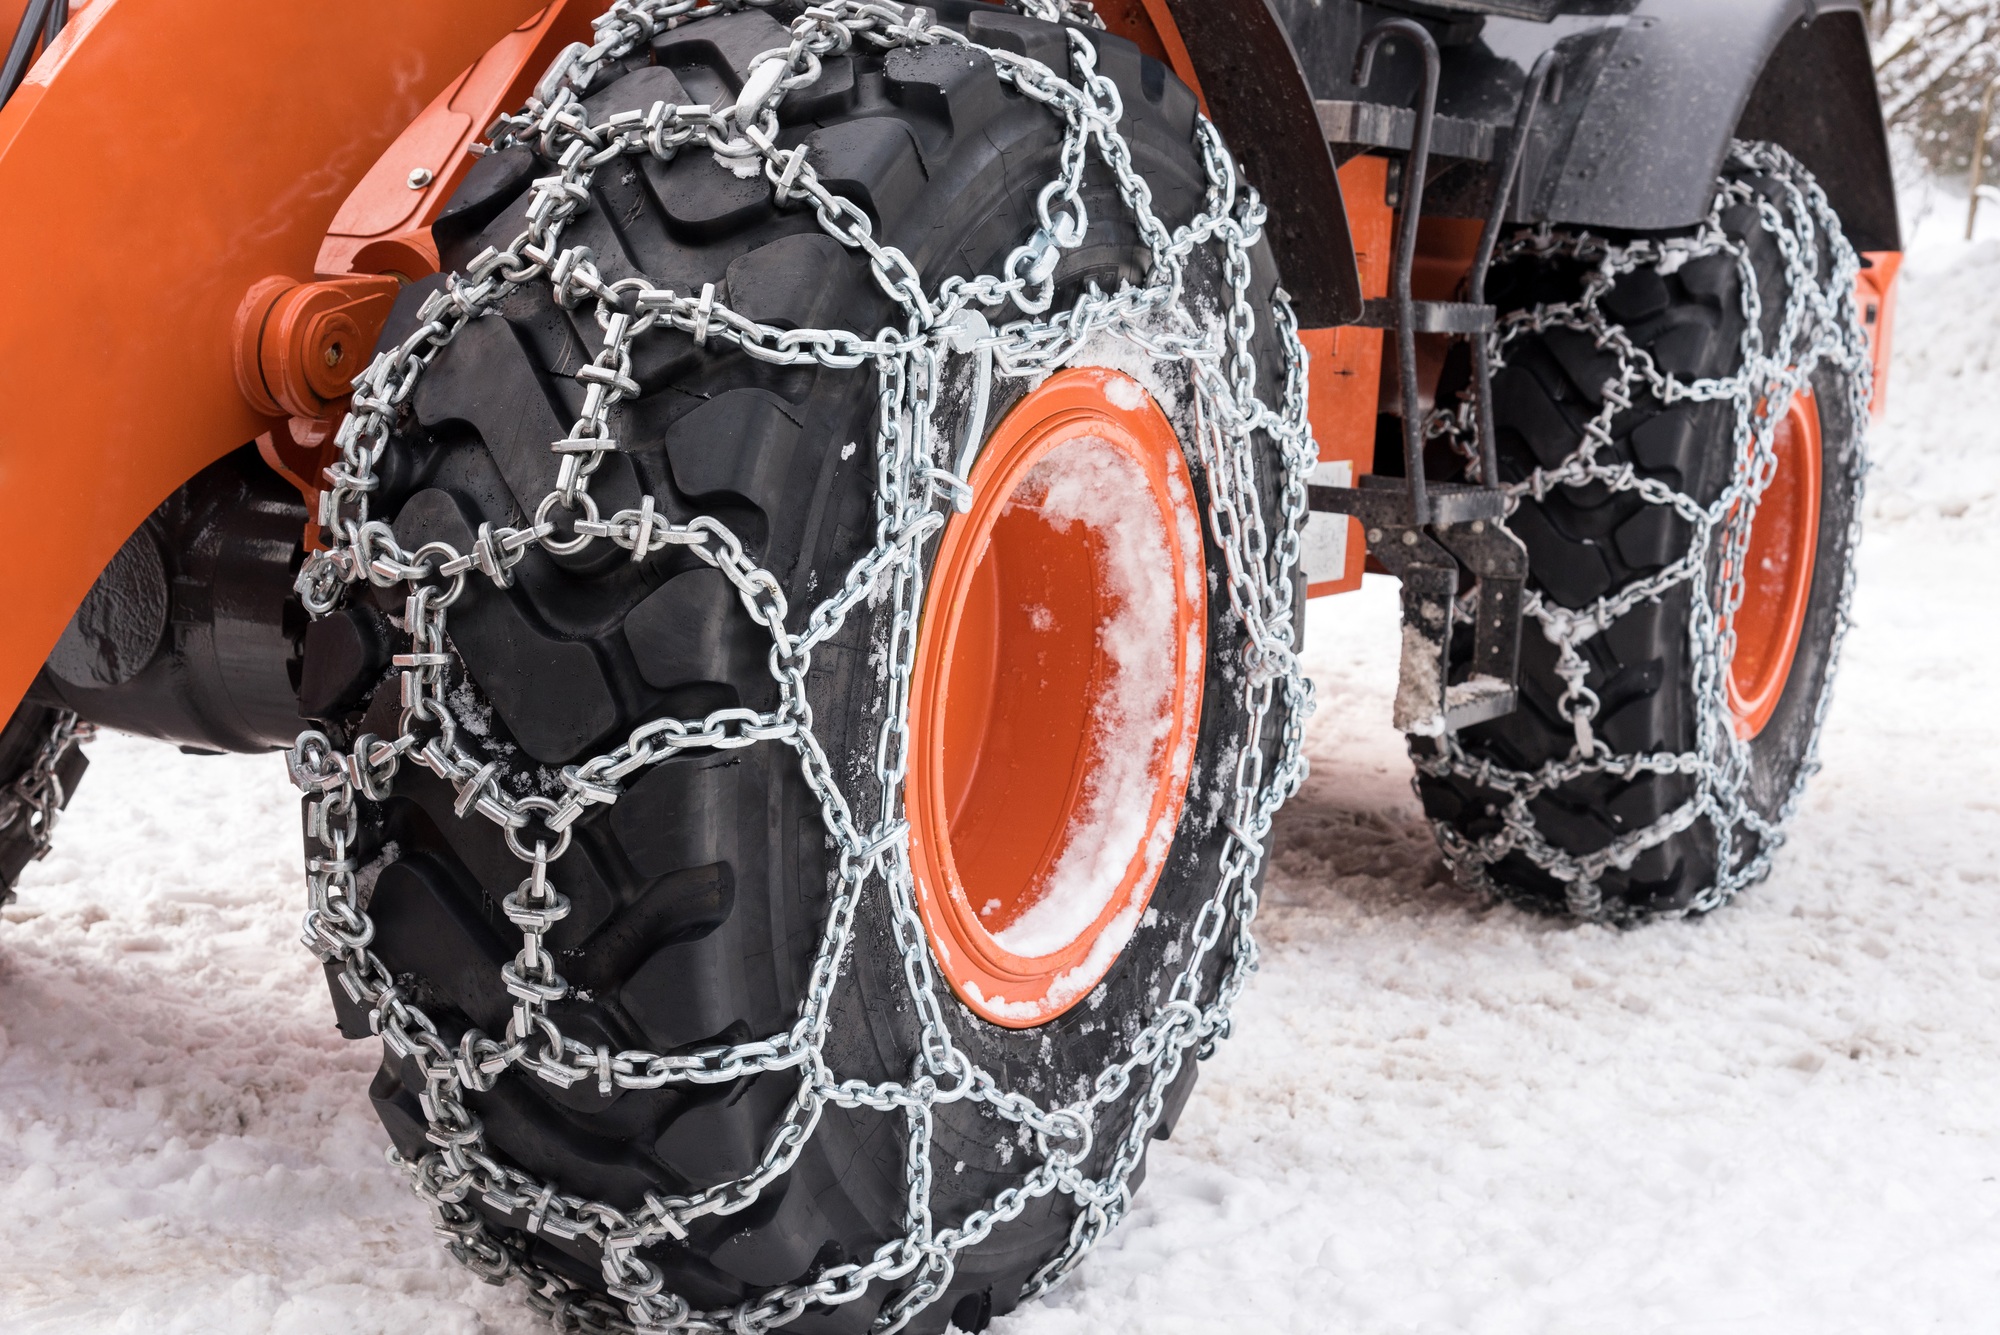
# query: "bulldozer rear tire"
{"type": "Point", "coordinates": [1586, 542]}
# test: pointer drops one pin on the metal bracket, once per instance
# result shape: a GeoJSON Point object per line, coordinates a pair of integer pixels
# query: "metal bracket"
{"type": "Point", "coordinates": [1466, 533]}
{"type": "Point", "coordinates": [1430, 535]}
{"type": "Point", "coordinates": [1379, 125]}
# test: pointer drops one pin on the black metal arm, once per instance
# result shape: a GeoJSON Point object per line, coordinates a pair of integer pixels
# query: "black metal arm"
{"type": "Point", "coordinates": [42, 20]}
{"type": "Point", "coordinates": [1406, 241]}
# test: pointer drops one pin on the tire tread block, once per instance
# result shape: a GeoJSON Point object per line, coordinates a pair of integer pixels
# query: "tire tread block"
{"type": "Point", "coordinates": [723, 1136]}
{"type": "Point", "coordinates": [425, 927]}
{"type": "Point", "coordinates": [724, 45]}
{"type": "Point", "coordinates": [872, 162]}
{"type": "Point", "coordinates": [737, 444]}
{"type": "Point", "coordinates": [950, 84]}
{"type": "Point", "coordinates": [779, 1248]}
{"type": "Point", "coordinates": [577, 874]}
{"type": "Point", "coordinates": [495, 384]}
{"type": "Point", "coordinates": [490, 185]}
{"type": "Point", "coordinates": [702, 200]}
{"type": "Point", "coordinates": [791, 283]}
{"type": "Point", "coordinates": [636, 91]}
{"type": "Point", "coordinates": [680, 815]}
{"type": "Point", "coordinates": [690, 992]}
{"type": "Point", "coordinates": [694, 630]}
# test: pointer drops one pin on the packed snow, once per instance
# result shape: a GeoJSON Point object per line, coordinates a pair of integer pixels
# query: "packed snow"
{"type": "Point", "coordinates": [1437, 1115]}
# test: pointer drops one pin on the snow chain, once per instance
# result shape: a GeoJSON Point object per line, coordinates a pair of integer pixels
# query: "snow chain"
{"type": "Point", "coordinates": [33, 802]}
{"type": "Point", "coordinates": [1819, 326]}
{"type": "Point", "coordinates": [921, 480]}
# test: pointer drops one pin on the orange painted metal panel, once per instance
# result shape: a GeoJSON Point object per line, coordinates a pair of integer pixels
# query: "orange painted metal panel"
{"type": "Point", "coordinates": [1875, 288]}
{"type": "Point", "coordinates": [10, 19]}
{"type": "Point", "coordinates": [1345, 378]}
{"type": "Point", "coordinates": [384, 226]}
{"type": "Point", "coordinates": [162, 157]}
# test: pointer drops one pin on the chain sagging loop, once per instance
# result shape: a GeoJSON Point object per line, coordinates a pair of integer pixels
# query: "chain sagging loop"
{"type": "Point", "coordinates": [922, 477]}
{"type": "Point", "coordinates": [1817, 330]}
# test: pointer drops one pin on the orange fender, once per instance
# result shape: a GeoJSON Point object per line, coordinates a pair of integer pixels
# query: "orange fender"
{"type": "Point", "coordinates": [161, 158]}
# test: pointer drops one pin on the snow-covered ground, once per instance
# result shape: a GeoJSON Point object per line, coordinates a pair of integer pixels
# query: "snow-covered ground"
{"type": "Point", "coordinates": [1437, 1116]}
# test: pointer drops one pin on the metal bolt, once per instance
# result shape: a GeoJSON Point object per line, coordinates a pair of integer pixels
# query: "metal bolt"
{"type": "Point", "coordinates": [333, 354]}
{"type": "Point", "coordinates": [1479, 526]}
{"type": "Point", "coordinates": [1409, 537]}
{"type": "Point", "coordinates": [420, 177]}
{"type": "Point", "coordinates": [1374, 535]}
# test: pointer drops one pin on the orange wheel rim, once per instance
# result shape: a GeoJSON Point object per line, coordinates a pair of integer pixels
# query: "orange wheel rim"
{"type": "Point", "coordinates": [1056, 696]}
{"type": "Point", "coordinates": [1777, 571]}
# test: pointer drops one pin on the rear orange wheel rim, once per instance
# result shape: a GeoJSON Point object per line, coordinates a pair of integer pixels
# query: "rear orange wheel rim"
{"type": "Point", "coordinates": [1056, 696]}
{"type": "Point", "coordinates": [1777, 571]}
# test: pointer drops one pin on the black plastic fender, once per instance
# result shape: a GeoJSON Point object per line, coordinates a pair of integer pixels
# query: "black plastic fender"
{"type": "Point", "coordinates": [1258, 95]}
{"type": "Point", "coordinates": [1653, 92]}
{"type": "Point", "coordinates": [1647, 136]}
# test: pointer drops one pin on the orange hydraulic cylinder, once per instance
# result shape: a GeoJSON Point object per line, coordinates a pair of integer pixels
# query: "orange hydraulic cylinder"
{"type": "Point", "coordinates": [162, 157]}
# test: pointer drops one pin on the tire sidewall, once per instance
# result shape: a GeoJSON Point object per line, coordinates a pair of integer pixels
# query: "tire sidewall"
{"type": "Point", "coordinates": [1781, 751]}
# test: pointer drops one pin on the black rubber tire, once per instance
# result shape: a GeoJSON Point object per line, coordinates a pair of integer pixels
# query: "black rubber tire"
{"type": "Point", "coordinates": [1584, 542]}
{"type": "Point", "coordinates": [698, 898]}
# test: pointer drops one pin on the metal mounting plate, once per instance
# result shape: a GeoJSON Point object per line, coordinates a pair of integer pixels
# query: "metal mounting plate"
{"type": "Point", "coordinates": [1379, 125]}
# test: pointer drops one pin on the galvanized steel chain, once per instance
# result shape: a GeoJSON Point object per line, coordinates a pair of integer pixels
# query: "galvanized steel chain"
{"type": "Point", "coordinates": [1818, 328]}
{"type": "Point", "coordinates": [1064, 11]}
{"type": "Point", "coordinates": [922, 479]}
{"type": "Point", "coordinates": [31, 805]}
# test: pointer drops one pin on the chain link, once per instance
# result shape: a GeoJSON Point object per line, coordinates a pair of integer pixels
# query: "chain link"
{"type": "Point", "coordinates": [1080, 12]}
{"type": "Point", "coordinates": [31, 805]}
{"type": "Point", "coordinates": [1819, 327]}
{"type": "Point", "coordinates": [921, 479]}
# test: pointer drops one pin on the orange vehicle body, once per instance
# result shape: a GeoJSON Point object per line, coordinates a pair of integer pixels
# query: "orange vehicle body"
{"type": "Point", "coordinates": [215, 238]}
{"type": "Point", "coordinates": [172, 155]}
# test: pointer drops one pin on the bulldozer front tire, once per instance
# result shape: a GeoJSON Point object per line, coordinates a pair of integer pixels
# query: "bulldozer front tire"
{"type": "Point", "coordinates": [698, 899]}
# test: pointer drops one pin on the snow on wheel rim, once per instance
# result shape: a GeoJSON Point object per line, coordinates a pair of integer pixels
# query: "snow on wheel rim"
{"type": "Point", "coordinates": [1055, 697]}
